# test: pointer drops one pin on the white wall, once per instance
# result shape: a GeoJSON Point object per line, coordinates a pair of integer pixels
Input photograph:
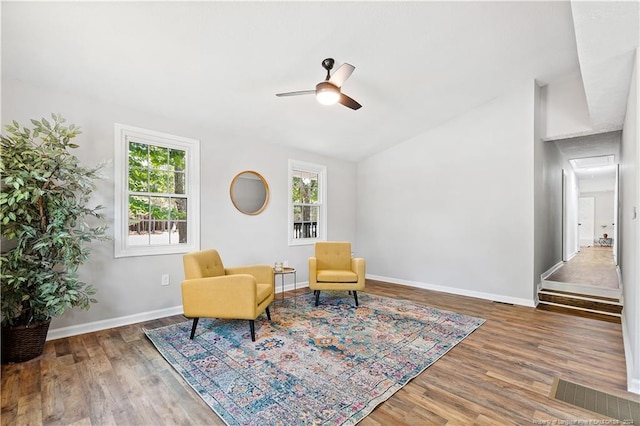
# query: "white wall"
{"type": "Point", "coordinates": [603, 212]}
{"type": "Point", "coordinates": [452, 208]}
{"type": "Point", "coordinates": [630, 232]}
{"type": "Point", "coordinates": [565, 105]}
{"type": "Point", "coordinates": [131, 286]}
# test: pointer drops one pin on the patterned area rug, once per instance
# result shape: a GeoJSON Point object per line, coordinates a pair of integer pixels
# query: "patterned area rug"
{"type": "Point", "coordinates": [328, 365]}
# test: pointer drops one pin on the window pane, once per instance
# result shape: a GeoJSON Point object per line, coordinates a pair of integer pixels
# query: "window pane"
{"type": "Point", "coordinates": [160, 207]}
{"type": "Point", "coordinates": [177, 159]}
{"type": "Point", "coordinates": [159, 232]}
{"type": "Point", "coordinates": [138, 180]}
{"type": "Point", "coordinates": [160, 181]}
{"type": "Point", "coordinates": [177, 183]}
{"type": "Point", "coordinates": [139, 207]}
{"type": "Point", "coordinates": [178, 233]}
{"type": "Point", "coordinates": [295, 189]}
{"type": "Point", "coordinates": [138, 155]}
{"type": "Point", "coordinates": [159, 157]}
{"type": "Point", "coordinates": [178, 209]}
{"type": "Point", "coordinates": [297, 213]}
{"type": "Point", "coordinates": [138, 225]}
{"type": "Point", "coordinates": [306, 213]}
{"type": "Point", "coordinates": [309, 187]}
{"type": "Point", "coordinates": [140, 238]}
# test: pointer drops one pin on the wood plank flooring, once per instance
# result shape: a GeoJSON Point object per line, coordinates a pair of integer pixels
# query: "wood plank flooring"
{"type": "Point", "coordinates": [500, 375]}
{"type": "Point", "coordinates": [592, 266]}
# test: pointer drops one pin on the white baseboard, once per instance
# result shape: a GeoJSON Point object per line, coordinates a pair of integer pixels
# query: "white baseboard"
{"type": "Point", "coordinates": [633, 371]}
{"type": "Point", "coordinates": [457, 291]}
{"type": "Point", "coordinates": [74, 330]}
{"type": "Point", "coordinates": [551, 270]}
{"type": "Point", "coordinates": [290, 286]}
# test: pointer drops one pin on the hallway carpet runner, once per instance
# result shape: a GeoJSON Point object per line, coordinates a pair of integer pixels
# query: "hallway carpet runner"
{"type": "Point", "coordinates": [326, 365]}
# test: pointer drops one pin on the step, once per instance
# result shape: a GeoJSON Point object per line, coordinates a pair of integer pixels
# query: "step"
{"type": "Point", "coordinates": [585, 313]}
{"type": "Point", "coordinates": [587, 302]}
{"type": "Point", "coordinates": [583, 295]}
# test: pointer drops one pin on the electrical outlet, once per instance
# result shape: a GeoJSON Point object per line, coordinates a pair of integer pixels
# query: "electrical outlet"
{"type": "Point", "coordinates": [164, 280]}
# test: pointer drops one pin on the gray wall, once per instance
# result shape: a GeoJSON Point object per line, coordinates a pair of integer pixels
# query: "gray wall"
{"type": "Point", "coordinates": [548, 164]}
{"type": "Point", "coordinates": [129, 288]}
{"type": "Point", "coordinates": [630, 232]}
{"type": "Point", "coordinates": [452, 208]}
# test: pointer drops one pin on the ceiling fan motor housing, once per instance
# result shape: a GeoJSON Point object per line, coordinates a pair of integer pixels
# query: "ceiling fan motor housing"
{"type": "Point", "coordinates": [327, 93]}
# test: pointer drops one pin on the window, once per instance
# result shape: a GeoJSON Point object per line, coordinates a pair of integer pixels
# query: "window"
{"type": "Point", "coordinates": [157, 198]}
{"type": "Point", "coordinates": [307, 203]}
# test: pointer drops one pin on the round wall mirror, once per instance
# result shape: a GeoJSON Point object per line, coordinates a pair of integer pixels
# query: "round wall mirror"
{"type": "Point", "coordinates": [249, 192]}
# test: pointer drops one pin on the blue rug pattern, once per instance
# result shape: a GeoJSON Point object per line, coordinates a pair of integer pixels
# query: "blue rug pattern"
{"type": "Point", "coordinates": [326, 365]}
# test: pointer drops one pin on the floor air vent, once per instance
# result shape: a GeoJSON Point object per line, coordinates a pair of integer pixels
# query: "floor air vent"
{"type": "Point", "coordinates": [596, 401]}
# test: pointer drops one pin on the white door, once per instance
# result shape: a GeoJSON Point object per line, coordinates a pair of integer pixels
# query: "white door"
{"type": "Point", "coordinates": [586, 213]}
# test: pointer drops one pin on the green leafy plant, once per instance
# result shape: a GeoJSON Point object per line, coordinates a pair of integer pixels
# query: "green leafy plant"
{"type": "Point", "coordinates": [45, 218]}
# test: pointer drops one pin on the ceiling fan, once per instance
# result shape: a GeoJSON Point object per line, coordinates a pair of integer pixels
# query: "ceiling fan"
{"type": "Point", "coordinates": [328, 91]}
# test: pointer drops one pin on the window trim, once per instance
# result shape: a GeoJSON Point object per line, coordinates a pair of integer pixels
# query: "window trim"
{"type": "Point", "coordinates": [322, 201]}
{"type": "Point", "coordinates": [123, 134]}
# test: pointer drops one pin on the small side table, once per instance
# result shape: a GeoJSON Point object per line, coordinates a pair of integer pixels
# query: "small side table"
{"type": "Point", "coordinates": [605, 242]}
{"type": "Point", "coordinates": [285, 271]}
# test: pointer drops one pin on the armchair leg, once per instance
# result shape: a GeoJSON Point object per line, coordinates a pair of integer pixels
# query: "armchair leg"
{"type": "Point", "coordinates": [193, 327]}
{"type": "Point", "coordinates": [253, 330]}
{"type": "Point", "coordinates": [317, 297]}
{"type": "Point", "coordinates": [355, 296]}
{"type": "Point", "coordinates": [268, 313]}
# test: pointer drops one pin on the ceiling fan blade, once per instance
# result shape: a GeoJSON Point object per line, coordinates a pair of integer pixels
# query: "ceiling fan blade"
{"type": "Point", "coordinates": [300, 92]}
{"type": "Point", "coordinates": [341, 74]}
{"type": "Point", "coordinates": [348, 102]}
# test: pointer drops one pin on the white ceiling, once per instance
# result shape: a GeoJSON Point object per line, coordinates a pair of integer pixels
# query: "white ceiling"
{"type": "Point", "coordinates": [607, 36]}
{"type": "Point", "coordinates": [593, 175]}
{"type": "Point", "coordinates": [220, 64]}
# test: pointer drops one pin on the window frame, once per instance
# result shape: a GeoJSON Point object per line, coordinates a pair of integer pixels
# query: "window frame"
{"type": "Point", "coordinates": [125, 134]}
{"type": "Point", "coordinates": [321, 170]}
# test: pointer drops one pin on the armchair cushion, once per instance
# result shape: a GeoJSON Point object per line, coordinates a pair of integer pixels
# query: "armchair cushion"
{"type": "Point", "coordinates": [332, 275]}
{"type": "Point", "coordinates": [203, 264]}
{"type": "Point", "coordinates": [333, 255]}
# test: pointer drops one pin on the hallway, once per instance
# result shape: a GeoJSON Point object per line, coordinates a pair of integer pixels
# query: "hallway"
{"type": "Point", "coordinates": [592, 266]}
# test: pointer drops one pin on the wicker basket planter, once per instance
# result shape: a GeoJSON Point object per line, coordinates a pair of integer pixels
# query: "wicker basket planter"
{"type": "Point", "coordinates": [22, 343]}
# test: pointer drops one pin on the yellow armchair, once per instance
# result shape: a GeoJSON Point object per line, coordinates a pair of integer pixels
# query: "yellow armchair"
{"type": "Point", "coordinates": [333, 268]}
{"type": "Point", "coordinates": [212, 291]}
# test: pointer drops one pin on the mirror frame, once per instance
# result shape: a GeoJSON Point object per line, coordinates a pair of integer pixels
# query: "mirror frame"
{"type": "Point", "coordinates": [266, 188]}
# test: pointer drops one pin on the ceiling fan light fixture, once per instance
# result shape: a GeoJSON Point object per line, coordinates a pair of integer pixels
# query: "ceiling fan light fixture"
{"type": "Point", "coordinates": [327, 93]}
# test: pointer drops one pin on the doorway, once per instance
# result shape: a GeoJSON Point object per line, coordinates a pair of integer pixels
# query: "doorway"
{"type": "Point", "coordinates": [586, 217]}
{"type": "Point", "coordinates": [589, 216]}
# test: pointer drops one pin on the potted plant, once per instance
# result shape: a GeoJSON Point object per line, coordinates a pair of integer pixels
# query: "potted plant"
{"type": "Point", "coordinates": [46, 223]}
{"type": "Point", "coordinates": [604, 228]}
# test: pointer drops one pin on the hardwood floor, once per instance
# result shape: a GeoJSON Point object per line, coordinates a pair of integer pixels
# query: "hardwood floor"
{"type": "Point", "coordinates": [501, 374]}
{"type": "Point", "coordinates": [592, 266]}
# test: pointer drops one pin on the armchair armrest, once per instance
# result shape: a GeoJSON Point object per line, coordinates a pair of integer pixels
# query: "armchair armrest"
{"type": "Point", "coordinates": [229, 296]}
{"type": "Point", "coordinates": [358, 266]}
{"type": "Point", "coordinates": [262, 273]}
{"type": "Point", "coordinates": [313, 270]}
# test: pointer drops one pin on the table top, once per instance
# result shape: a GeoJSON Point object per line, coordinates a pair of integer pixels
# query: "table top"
{"type": "Point", "coordinates": [285, 270]}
